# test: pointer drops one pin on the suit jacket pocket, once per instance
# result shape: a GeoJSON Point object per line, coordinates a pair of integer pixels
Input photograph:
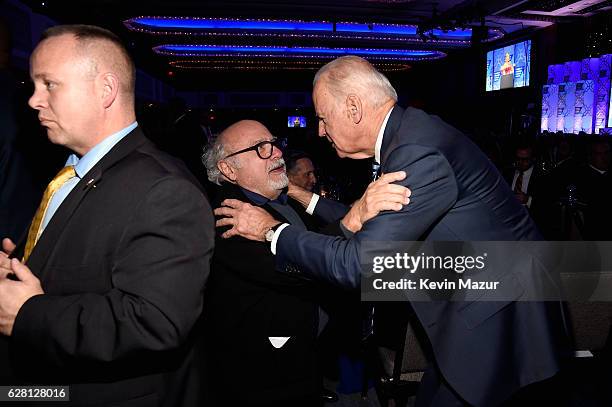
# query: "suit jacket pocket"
{"type": "Point", "coordinates": [490, 302]}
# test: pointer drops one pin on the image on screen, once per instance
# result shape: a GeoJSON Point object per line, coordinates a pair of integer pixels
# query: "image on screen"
{"type": "Point", "coordinates": [296, 121]}
{"type": "Point", "coordinates": [508, 67]}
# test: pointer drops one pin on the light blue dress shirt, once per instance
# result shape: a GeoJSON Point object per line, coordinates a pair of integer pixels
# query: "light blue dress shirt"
{"type": "Point", "coordinates": [82, 167]}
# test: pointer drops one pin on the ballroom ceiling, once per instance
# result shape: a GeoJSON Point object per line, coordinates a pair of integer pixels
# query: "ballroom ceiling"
{"type": "Point", "coordinates": [186, 41]}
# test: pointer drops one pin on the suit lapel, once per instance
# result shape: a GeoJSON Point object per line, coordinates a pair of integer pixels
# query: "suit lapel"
{"type": "Point", "coordinates": [57, 224]}
{"type": "Point", "coordinates": [229, 190]}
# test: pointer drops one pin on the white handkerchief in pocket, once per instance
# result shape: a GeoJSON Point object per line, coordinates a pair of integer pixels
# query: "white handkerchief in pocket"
{"type": "Point", "coordinates": [278, 341]}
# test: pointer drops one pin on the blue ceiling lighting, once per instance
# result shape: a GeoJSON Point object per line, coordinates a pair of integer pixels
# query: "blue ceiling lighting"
{"type": "Point", "coordinates": [190, 26]}
{"type": "Point", "coordinates": [287, 44]}
{"type": "Point", "coordinates": [457, 33]}
{"type": "Point", "coordinates": [377, 28]}
{"type": "Point", "coordinates": [296, 52]}
{"type": "Point", "coordinates": [268, 65]}
{"type": "Point", "coordinates": [189, 23]}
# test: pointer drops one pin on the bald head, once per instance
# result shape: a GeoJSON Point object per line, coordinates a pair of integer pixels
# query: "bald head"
{"type": "Point", "coordinates": [83, 86]}
{"type": "Point", "coordinates": [101, 51]}
{"type": "Point", "coordinates": [352, 74]}
{"type": "Point", "coordinates": [242, 130]}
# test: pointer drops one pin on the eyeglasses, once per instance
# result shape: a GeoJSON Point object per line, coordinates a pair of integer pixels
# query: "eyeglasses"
{"type": "Point", "coordinates": [263, 149]}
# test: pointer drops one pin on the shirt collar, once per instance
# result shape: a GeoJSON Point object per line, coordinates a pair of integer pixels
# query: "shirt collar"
{"type": "Point", "coordinates": [528, 171]}
{"type": "Point", "coordinates": [260, 200]}
{"type": "Point", "coordinates": [85, 163]}
{"type": "Point", "coordinates": [379, 139]}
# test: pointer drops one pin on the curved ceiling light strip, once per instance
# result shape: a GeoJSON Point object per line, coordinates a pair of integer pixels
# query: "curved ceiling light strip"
{"type": "Point", "coordinates": [244, 64]}
{"type": "Point", "coordinates": [440, 43]}
{"type": "Point", "coordinates": [302, 29]}
{"type": "Point", "coordinates": [183, 50]}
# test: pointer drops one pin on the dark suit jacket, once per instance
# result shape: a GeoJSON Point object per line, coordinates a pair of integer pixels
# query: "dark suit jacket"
{"type": "Point", "coordinates": [248, 302]}
{"type": "Point", "coordinates": [123, 264]}
{"type": "Point", "coordinates": [487, 350]}
{"type": "Point", "coordinates": [537, 190]}
{"type": "Point", "coordinates": [534, 181]}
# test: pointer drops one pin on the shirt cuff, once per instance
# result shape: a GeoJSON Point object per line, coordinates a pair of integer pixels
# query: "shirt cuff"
{"type": "Point", "coordinates": [528, 204]}
{"type": "Point", "coordinates": [313, 203]}
{"type": "Point", "coordinates": [275, 237]}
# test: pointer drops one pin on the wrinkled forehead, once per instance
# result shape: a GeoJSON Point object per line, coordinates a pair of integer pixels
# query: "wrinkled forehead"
{"type": "Point", "coordinates": [324, 101]}
{"type": "Point", "coordinates": [318, 90]}
{"type": "Point", "coordinates": [320, 104]}
{"type": "Point", "coordinates": [246, 137]}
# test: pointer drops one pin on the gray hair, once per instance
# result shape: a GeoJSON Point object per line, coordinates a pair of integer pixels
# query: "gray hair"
{"type": "Point", "coordinates": [213, 153]}
{"type": "Point", "coordinates": [352, 73]}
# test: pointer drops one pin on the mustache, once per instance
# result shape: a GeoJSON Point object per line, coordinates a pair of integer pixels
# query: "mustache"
{"type": "Point", "coordinates": [276, 164]}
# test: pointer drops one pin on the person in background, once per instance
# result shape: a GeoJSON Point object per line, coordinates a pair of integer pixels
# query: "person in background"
{"type": "Point", "coordinates": [300, 170]}
{"type": "Point", "coordinates": [524, 179]}
{"type": "Point", "coordinates": [594, 189]}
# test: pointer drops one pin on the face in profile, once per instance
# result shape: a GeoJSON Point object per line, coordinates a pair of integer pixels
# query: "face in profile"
{"type": "Point", "coordinates": [335, 123]}
{"type": "Point", "coordinates": [64, 92]}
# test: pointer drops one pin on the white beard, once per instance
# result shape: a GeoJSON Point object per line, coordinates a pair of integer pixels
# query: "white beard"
{"type": "Point", "coordinates": [283, 180]}
{"type": "Point", "coordinates": [281, 183]}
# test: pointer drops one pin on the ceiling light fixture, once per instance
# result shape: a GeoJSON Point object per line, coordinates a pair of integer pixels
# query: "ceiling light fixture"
{"type": "Point", "coordinates": [292, 52]}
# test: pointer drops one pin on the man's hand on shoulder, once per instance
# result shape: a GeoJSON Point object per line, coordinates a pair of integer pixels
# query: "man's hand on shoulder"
{"type": "Point", "coordinates": [246, 220]}
{"type": "Point", "coordinates": [381, 195]}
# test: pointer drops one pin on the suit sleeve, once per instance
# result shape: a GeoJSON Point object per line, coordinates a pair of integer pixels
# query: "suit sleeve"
{"type": "Point", "coordinates": [337, 260]}
{"type": "Point", "coordinates": [252, 261]}
{"type": "Point", "coordinates": [329, 210]}
{"type": "Point", "coordinates": [159, 270]}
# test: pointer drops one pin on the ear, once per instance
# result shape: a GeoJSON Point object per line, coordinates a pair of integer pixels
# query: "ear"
{"type": "Point", "coordinates": [227, 171]}
{"type": "Point", "coordinates": [110, 89]}
{"type": "Point", "coordinates": [354, 108]}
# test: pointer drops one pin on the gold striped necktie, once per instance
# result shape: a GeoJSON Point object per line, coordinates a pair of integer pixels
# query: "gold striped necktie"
{"type": "Point", "coordinates": [34, 232]}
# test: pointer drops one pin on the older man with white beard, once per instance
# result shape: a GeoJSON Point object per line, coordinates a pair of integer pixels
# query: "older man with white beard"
{"type": "Point", "coordinates": [259, 322]}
